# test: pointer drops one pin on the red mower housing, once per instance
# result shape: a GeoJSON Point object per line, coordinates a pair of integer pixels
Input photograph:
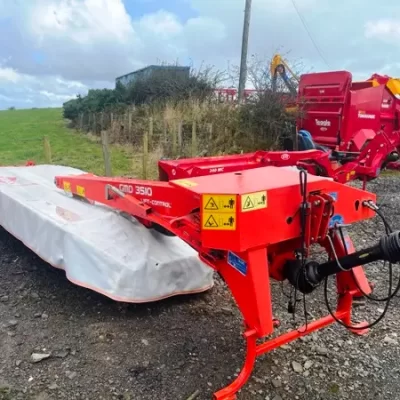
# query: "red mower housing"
{"type": "Point", "coordinates": [254, 226]}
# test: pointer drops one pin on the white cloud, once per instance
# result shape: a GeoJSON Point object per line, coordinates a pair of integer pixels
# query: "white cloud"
{"type": "Point", "coordinates": [84, 22]}
{"type": "Point", "coordinates": [6, 98]}
{"type": "Point", "coordinates": [384, 29]}
{"type": "Point", "coordinates": [389, 68]}
{"type": "Point", "coordinates": [58, 48]}
{"type": "Point", "coordinates": [200, 28]}
{"type": "Point", "coordinates": [79, 39]}
{"type": "Point", "coordinates": [55, 96]}
{"type": "Point", "coordinates": [8, 74]}
{"type": "Point", "coordinates": [162, 23]}
{"type": "Point", "coordinates": [71, 84]}
{"type": "Point", "coordinates": [23, 90]}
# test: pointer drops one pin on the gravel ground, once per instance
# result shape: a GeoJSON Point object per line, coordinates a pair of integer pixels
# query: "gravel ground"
{"type": "Point", "coordinates": [99, 349]}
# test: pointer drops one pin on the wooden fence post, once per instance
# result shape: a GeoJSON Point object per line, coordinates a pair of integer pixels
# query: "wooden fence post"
{"type": "Point", "coordinates": [180, 139]}
{"type": "Point", "coordinates": [145, 153]}
{"type": "Point", "coordinates": [165, 130]}
{"type": "Point", "coordinates": [210, 137]}
{"type": "Point", "coordinates": [210, 131]}
{"type": "Point", "coordinates": [194, 139]}
{"type": "Point", "coordinates": [47, 149]}
{"type": "Point", "coordinates": [81, 122]}
{"type": "Point", "coordinates": [106, 153]}
{"type": "Point", "coordinates": [115, 134]}
{"type": "Point", "coordinates": [102, 121]}
{"type": "Point", "coordinates": [151, 131]}
{"type": "Point", "coordinates": [129, 122]}
{"type": "Point", "coordinates": [173, 142]}
{"type": "Point", "coordinates": [94, 128]}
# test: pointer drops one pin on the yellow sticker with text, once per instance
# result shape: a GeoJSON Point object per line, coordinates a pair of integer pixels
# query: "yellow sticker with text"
{"type": "Point", "coordinates": [221, 203]}
{"type": "Point", "coordinates": [185, 183]}
{"type": "Point", "coordinates": [254, 201]}
{"type": "Point", "coordinates": [80, 191]}
{"type": "Point", "coordinates": [219, 221]}
{"type": "Point", "coordinates": [67, 186]}
{"type": "Point", "coordinates": [349, 175]}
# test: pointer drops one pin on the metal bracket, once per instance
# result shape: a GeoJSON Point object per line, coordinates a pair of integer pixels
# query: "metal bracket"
{"type": "Point", "coordinates": [110, 188]}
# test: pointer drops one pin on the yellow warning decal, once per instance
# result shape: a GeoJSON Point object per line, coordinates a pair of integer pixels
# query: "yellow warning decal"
{"type": "Point", "coordinates": [221, 203]}
{"type": "Point", "coordinates": [67, 186]}
{"type": "Point", "coordinates": [219, 221]}
{"type": "Point", "coordinates": [80, 190]}
{"type": "Point", "coordinates": [185, 183]}
{"type": "Point", "coordinates": [349, 175]}
{"type": "Point", "coordinates": [254, 201]}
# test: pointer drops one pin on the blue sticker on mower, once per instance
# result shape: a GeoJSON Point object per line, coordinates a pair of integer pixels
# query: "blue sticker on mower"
{"type": "Point", "coordinates": [334, 195]}
{"type": "Point", "coordinates": [336, 219]}
{"type": "Point", "coordinates": [237, 263]}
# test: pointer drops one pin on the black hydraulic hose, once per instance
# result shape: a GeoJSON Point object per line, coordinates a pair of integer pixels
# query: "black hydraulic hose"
{"type": "Point", "coordinates": [356, 328]}
{"type": "Point", "coordinates": [391, 249]}
{"type": "Point", "coordinates": [388, 229]}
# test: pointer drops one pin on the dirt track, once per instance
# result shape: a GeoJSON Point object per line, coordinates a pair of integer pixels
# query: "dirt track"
{"type": "Point", "coordinates": [104, 350]}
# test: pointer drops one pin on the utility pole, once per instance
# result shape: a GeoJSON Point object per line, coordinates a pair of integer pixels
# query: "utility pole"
{"type": "Point", "coordinates": [245, 42]}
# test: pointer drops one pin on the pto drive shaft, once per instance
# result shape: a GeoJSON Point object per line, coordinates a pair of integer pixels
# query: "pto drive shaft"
{"type": "Point", "coordinates": [307, 278]}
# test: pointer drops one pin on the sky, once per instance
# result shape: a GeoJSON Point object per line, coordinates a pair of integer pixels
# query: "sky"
{"type": "Point", "coordinates": [52, 50]}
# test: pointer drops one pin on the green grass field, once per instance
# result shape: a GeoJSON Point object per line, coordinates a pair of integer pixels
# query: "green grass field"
{"type": "Point", "coordinates": [21, 139]}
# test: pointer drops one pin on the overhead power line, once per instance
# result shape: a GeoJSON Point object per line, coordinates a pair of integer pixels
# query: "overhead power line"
{"type": "Point", "coordinates": [309, 33]}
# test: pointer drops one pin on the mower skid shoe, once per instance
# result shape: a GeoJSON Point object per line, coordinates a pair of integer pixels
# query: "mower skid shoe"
{"type": "Point", "coordinates": [229, 392]}
{"type": "Point", "coordinates": [346, 303]}
{"type": "Point", "coordinates": [358, 331]}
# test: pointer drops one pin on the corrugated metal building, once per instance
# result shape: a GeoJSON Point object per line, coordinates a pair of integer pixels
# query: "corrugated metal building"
{"type": "Point", "coordinates": [154, 70]}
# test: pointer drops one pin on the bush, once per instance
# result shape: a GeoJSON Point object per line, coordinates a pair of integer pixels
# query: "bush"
{"type": "Point", "coordinates": [160, 88]}
{"type": "Point", "coordinates": [266, 116]}
{"type": "Point", "coordinates": [259, 123]}
{"type": "Point", "coordinates": [96, 100]}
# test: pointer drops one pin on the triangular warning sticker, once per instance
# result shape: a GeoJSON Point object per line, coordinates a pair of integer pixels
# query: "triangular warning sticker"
{"type": "Point", "coordinates": [211, 205]}
{"type": "Point", "coordinates": [248, 204]}
{"type": "Point", "coordinates": [211, 222]}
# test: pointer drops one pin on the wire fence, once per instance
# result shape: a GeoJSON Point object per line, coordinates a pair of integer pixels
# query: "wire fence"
{"type": "Point", "coordinates": [184, 130]}
{"type": "Point", "coordinates": [27, 151]}
{"type": "Point", "coordinates": [178, 142]}
{"type": "Point", "coordinates": [176, 136]}
{"type": "Point", "coordinates": [156, 137]}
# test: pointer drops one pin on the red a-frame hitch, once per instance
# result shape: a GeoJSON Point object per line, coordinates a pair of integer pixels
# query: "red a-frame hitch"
{"type": "Point", "coordinates": [252, 226]}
